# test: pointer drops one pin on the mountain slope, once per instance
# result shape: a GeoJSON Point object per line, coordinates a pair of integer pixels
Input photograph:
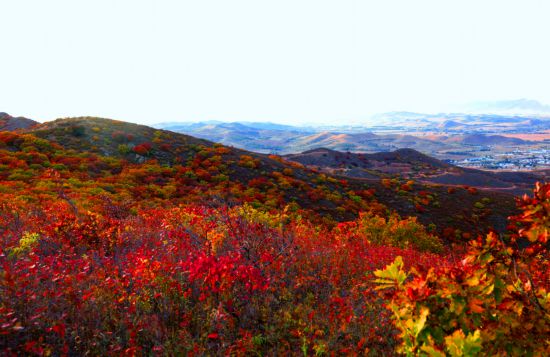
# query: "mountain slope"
{"type": "Point", "coordinates": [324, 157]}
{"type": "Point", "coordinates": [9, 123]}
{"type": "Point", "coordinates": [291, 139]}
{"type": "Point", "coordinates": [411, 164]}
{"type": "Point", "coordinates": [165, 164]}
{"type": "Point", "coordinates": [116, 138]}
{"type": "Point", "coordinates": [480, 139]}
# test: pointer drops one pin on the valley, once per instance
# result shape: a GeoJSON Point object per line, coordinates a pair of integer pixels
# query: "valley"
{"type": "Point", "coordinates": [482, 141]}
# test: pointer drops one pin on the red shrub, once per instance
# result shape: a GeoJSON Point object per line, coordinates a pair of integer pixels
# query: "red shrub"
{"type": "Point", "coordinates": [143, 149]}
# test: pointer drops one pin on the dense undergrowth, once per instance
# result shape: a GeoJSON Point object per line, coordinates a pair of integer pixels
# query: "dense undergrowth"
{"type": "Point", "coordinates": [191, 279]}
{"type": "Point", "coordinates": [102, 257]}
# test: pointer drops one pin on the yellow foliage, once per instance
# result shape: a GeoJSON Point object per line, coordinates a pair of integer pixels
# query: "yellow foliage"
{"type": "Point", "coordinates": [28, 242]}
{"type": "Point", "coordinates": [397, 232]}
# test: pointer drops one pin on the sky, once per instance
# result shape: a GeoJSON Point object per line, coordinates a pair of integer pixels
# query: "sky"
{"type": "Point", "coordinates": [286, 61]}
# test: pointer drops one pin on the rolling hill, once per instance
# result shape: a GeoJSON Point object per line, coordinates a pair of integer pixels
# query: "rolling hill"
{"type": "Point", "coordinates": [164, 164]}
{"type": "Point", "coordinates": [9, 123]}
{"type": "Point", "coordinates": [290, 139]}
{"type": "Point", "coordinates": [437, 136]}
{"type": "Point", "coordinates": [411, 164]}
{"type": "Point", "coordinates": [485, 140]}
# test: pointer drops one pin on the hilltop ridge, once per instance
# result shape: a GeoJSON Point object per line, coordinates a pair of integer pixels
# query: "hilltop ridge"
{"type": "Point", "coordinates": [193, 165]}
{"type": "Point", "coordinates": [9, 123]}
{"type": "Point", "coordinates": [412, 164]}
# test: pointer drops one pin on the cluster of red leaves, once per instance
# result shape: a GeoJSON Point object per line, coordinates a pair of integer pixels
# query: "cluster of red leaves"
{"type": "Point", "coordinates": [120, 136]}
{"type": "Point", "coordinates": [143, 149]}
{"type": "Point", "coordinates": [534, 221]}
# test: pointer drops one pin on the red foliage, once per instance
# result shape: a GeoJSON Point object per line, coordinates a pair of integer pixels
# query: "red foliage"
{"type": "Point", "coordinates": [165, 147]}
{"type": "Point", "coordinates": [102, 257]}
{"type": "Point", "coordinates": [195, 272]}
{"type": "Point", "coordinates": [143, 149]}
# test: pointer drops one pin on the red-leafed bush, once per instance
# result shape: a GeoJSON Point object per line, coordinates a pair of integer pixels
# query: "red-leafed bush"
{"type": "Point", "coordinates": [143, 149]}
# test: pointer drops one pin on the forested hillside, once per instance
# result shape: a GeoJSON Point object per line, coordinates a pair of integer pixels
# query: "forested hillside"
{"type": "Point", "coordinates": [119, 239]}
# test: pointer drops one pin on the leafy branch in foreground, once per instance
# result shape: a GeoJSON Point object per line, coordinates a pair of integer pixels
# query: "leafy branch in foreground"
{"type": "Point", "coordinates": [495, 301]}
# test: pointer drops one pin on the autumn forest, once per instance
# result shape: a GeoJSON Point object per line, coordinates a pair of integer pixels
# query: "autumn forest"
{"type": "Point", "coordinates": [119, 239]}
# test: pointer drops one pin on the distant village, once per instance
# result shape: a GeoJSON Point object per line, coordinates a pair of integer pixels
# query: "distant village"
{"type": "Point", "coordinates": [530, 159]}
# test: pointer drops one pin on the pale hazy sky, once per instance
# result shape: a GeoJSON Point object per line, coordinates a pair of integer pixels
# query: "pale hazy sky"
{"type": "Point", "coordinates": [289, 61]}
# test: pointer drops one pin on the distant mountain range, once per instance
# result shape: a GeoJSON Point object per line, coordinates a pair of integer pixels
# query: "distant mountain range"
{"type": "Point", "coordinates": [517, 106]}
{"type": "Point", "coordinates": [432, 134]}
{"type": "Point", "coordinates": [458, 122]}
